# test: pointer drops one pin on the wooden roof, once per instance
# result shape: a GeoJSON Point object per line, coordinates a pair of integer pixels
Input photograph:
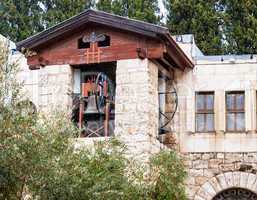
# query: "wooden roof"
{"type": "Point", "coordinates": [173, 53]}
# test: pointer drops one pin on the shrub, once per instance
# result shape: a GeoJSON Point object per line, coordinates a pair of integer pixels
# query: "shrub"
{"type": "Point", "coordinates": [171, 176]}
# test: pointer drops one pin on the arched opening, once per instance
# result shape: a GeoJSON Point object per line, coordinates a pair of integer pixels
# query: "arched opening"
{"type": "Point", "coordinates": [235, 194]}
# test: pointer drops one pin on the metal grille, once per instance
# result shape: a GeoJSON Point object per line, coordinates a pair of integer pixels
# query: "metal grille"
{"type": "Point", "coordinates": [236, 194]}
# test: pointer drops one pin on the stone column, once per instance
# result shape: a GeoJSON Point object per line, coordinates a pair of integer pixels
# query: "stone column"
{"type": "Point", "coordinates": [136, 108]}
{"type": "Point", "coordinates": [55, 83]}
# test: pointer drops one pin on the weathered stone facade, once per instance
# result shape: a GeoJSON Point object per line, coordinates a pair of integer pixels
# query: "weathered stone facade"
{"type": "Point", "coordinates": [136, 114]}
{"type": "Point", "coordinates": [54, 87]}
{"type": "Point", "coordinates": [216, 160]}
{"type": "Point", "coordinates": [48, 88]}
{"type": "Point", "coordinates": [205, 167]}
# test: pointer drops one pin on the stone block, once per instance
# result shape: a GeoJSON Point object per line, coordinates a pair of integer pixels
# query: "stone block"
{"type": "Point", "coordinates": [227, 167]}
{"type": "Point", "coordinates": [229, 179]}
{"type": "Point", "coordinates": [236, 178]}
{"type": "Point", "coordinates": [243, 179]}
{"type": "Point", "coordinates": [222, 181]}
{"type": "Point", "coordinates": [215, 184]}
{"type": "Point", "coordinates": [208, 156]}
{"type": "Point", "coordinates": [197, 197]}
{"type": "Point", "coordinates": [196, 172]}
{"type": "Point", "coordinates": [200, 180]}
{"type": "Point", "coordinates": [251, 180]}
{"type": "Point", "coordinates": [214, 163]}
{"type": "Point", "coordinates": [204, 193]}
{"type": "Point", "coordinates": [200, 164]}
{"type": "Point", "coordinates": [220, 155]}
{"type": "Point", "coordinates": [208, 173]}
{"type": "Point", "coordinates": [209, 188]}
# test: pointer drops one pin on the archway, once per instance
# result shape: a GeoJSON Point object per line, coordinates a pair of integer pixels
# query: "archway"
{"type": "Point", "coordinates": [224, 186]}
{"type": "Point", "coordinates": [236, 194]}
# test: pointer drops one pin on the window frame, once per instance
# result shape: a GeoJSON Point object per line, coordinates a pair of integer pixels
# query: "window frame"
{"type": "Point", "coordinates": [235, 111]}
{"type": "Point", "coordinates": [205, 112]}
{"type": "Point", "coordinates": [106, 43]}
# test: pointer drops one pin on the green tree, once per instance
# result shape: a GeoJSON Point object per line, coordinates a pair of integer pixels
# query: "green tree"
{"type": "Point", "coordinates": [105, 5]}
{"type": "Point", "coordinates": [198, 17]}
{"type": "Point", "coordinates": [20, 19]}
{"type": "Point", "coordinates": [240, 26]}
{"type": "Point", "coordinates": [136, 9]}
{"type": "Point", "coordinates": [56, 11]}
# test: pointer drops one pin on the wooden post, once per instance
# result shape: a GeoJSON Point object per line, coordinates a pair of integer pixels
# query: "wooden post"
{"type": "Point", "coordinates": [81, 112]}
{"type": "Point", "coordinates": [106, 122]}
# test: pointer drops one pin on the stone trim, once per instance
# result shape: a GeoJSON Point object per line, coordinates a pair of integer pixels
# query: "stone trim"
{"type": "Point", "coordinates": [225, 181]}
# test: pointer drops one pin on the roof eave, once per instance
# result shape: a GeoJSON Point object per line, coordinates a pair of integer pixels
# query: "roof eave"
{"type": "Point", "coordinates": [98, 17]}
{"type": "Point", "coordinates": [178, 49]}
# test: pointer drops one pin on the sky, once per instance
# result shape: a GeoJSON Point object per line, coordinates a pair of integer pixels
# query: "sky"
{"type": "Point", "coordinates": [162, 9]}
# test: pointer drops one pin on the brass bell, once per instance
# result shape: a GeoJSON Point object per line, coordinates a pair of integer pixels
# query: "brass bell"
{"type": "Point", "coordinates": [91, 105]}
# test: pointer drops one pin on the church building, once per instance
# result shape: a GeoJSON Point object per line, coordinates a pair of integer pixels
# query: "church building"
{"type": "Point", "coordinates": [135, 81]}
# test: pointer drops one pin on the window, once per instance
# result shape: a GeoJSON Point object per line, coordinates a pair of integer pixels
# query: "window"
{"type": "Point", "coordinates": [235, 111]}
{"type": "Point", "coordinates": [204, 111]}
{"type": "Point", "coordinates": [106, 42]}
{"type": "Point", "coordinates": [82, 44]}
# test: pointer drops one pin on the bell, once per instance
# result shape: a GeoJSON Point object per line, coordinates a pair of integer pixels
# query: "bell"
{"type": "Point", "coordinates": [91, 105]}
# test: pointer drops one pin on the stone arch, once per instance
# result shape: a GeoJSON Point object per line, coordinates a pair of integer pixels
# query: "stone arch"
{"type": "Point", "coordinates": [236, 194]}
{"type": "Point", "coordinates": [226, 181]}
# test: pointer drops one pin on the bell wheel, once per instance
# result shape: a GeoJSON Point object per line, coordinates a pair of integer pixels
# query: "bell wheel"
{"type": "Point", "coordinates": [168, 104]}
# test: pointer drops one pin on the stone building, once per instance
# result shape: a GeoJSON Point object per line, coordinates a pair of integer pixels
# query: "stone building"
{"type": "Point", "coordinates": [131, 79]}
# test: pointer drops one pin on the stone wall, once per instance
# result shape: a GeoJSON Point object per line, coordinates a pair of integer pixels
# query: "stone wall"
{"type": "Point", "coordinates": [54, 86]}
{"type": "Point", "coordinates": [136, 107]}
{"type": "Point", "coordinates": [48, 88]}
{"type": "Point", "coordinates": [210, 158]}
{"type": "Point", "coordinates": [218, 77]}
{"type": "Point", "coordinates": [203, 167]}
{"type": "Point", "coordinates": [28, 78]}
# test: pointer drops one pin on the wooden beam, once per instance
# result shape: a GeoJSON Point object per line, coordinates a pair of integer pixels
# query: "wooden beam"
{"type": "Point", "coordinates": [163, 71]}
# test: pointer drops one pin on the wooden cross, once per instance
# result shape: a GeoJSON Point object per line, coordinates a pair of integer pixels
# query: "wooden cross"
{"type": "Point", "coordinates": [94, 55]}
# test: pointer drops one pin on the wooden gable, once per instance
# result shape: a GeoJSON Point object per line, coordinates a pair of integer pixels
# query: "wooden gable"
{"type": "Point", "coordinates": [123, 45]}
{"type": "Point", "coordinates": [129, 39]}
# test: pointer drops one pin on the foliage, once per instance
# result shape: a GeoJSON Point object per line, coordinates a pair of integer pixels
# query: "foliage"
{"type": "Point", "coordinates": [171, 176]}
{"type": "Point", "coordinates": [56, 11]}
{"type": "Point", "coordinates": [20, 19]}
{"type": "Point", "coordinates": [38, 157]}
{"type": "Point", "coordinates": [136, 9]}
{"type": "Point", "coordinates": [219, 26]}
{"type": "Point", "coordinates": [198, 17]}
{"type": "Point", "coordinates": [240, 25]}
{"type": "Point", "coordinates": [29, 143]}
